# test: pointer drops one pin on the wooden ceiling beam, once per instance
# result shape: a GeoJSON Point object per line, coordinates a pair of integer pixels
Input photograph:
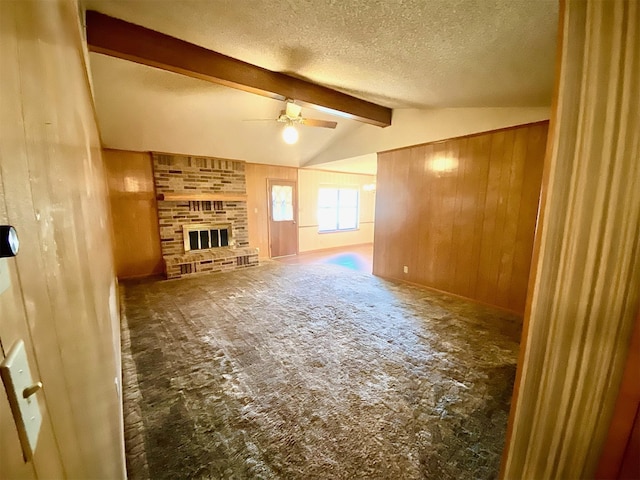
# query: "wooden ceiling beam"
{"type": "Point", "coordinates": [120, 39]}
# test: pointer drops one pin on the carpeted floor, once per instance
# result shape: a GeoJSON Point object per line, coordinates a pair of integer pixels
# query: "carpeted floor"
{"type": "Point", "coordinates": [313, 372]}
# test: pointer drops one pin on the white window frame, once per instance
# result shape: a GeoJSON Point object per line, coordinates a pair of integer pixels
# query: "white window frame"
{"type": "Point", "coordinates": [338, 189]}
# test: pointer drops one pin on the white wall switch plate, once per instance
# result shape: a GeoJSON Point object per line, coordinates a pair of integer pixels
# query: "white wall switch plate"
{"type": "Point", "coordinates": [21, 392]}
{"type": "Point", "coordinates": [405, 269]}
{"type": "Point", "coordinates": [5, 280]}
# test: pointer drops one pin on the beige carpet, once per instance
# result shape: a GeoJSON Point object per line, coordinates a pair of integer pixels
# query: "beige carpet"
{"type": "Point", "coordinates": [314, 372]}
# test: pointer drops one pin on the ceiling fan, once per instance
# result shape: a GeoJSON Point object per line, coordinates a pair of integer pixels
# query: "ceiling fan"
{"type": "Point", "coordinates": [292, 116]}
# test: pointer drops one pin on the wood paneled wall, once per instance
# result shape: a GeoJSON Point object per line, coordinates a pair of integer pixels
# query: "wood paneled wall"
{"type": "Point", "coordinates": [461, 214]}
{"type": "Point", "coordinates": [584, 293]}
{"type": "Point", "coordinates": [257, 201]}
{"type": "Point", "coordinates": [62, 301]}
{"type": "Point", "coordinates": [134, 213]}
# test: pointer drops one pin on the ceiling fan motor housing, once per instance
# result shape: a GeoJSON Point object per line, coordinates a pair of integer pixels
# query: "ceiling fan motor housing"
{"type": "Point", "coordinates": [293, 110]}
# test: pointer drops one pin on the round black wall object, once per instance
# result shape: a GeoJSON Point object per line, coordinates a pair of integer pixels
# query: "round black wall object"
{"type": "Point", "coordinates": [9, 243]}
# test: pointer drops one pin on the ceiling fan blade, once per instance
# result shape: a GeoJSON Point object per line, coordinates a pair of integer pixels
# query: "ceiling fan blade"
{"type": "Point", "coordinates": [293, 110]}
{"type": "Point", "coordinates": [312, 122]}
{"type": "Point", "coordinates": [259, 120]}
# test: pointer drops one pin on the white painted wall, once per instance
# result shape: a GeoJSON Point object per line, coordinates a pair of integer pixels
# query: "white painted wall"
{"type": "Point", "coordinates": [309, 181]}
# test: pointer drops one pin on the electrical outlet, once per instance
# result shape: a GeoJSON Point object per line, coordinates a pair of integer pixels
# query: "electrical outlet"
{"type": "Point", "coordinates": [405, 269]}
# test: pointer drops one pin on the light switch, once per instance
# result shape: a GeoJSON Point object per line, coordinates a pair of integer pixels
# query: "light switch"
{"type": "Point", "coordinates": [22, 393]}
{"type": "Point", "coordinates": [5, 280]}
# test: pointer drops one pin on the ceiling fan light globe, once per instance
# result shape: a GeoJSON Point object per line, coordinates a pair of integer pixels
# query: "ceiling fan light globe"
{"type": "Point", "coordinates": [290, 134]}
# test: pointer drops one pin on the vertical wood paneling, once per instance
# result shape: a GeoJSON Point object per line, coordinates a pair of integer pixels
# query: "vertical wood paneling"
{"type": "Point", "coordinates": [393, 213]}
{"type": "Point", "coordinates": [13, 327]}
{"type": "Point", "coordinates": [465, 219]}
{"type": "Point", "coordinates": [415, 169]}
{"type": "Point", "coordinates": [527, 219]}
{"type": "Point", "coordinates": [460, 214]}
{"type": "Point", "coordinates": [257, 201]}
{"type": "Point", "coordinates": [134, 213]}
{"type": "Point", "coordinates": [516, 177]}
{"type": "Point", "coordinates": [420, 227]}
{"type": "Point", "coordinates": [437, 221]}
{"type": "Point", "coordinates": [481, 160]}
{"type": "Point", "coordinates": [63, 284]}
{"type": "Point", "coordinates": [488, 264]}
{"type": "Point", "coordinates": [584, 292]}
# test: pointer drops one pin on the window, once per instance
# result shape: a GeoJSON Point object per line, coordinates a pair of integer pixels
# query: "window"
{"type": "Point", "coordinates": [337, 209]}
{"type": "Point", "coordinates": [281, 203]}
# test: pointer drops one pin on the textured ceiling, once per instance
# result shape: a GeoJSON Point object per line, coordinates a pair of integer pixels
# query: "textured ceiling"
{"type": "Point", "coordinates": [402, 53]}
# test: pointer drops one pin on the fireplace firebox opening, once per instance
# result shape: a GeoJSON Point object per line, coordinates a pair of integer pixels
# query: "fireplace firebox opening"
{"type": "Point", "coordinates": [206, 236]}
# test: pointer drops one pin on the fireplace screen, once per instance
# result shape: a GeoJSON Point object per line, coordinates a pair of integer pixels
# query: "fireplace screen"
{"type": "Point", "coordinates": [202, 237]}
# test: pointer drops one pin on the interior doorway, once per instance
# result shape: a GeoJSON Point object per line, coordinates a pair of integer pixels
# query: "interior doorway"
{"type": "Point", "coordinates": [283, 215]}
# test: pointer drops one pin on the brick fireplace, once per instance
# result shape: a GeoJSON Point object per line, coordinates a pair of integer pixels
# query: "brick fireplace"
{"type": "Point", "coordinates": [202, 212]}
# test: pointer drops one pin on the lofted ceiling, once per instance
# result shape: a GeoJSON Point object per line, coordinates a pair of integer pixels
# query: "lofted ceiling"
{"type": "Point", "coordinates": [401, 54]}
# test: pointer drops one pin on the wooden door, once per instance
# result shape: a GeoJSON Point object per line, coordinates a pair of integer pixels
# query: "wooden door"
{"type": "Point", "coordinates": [283, 215]}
